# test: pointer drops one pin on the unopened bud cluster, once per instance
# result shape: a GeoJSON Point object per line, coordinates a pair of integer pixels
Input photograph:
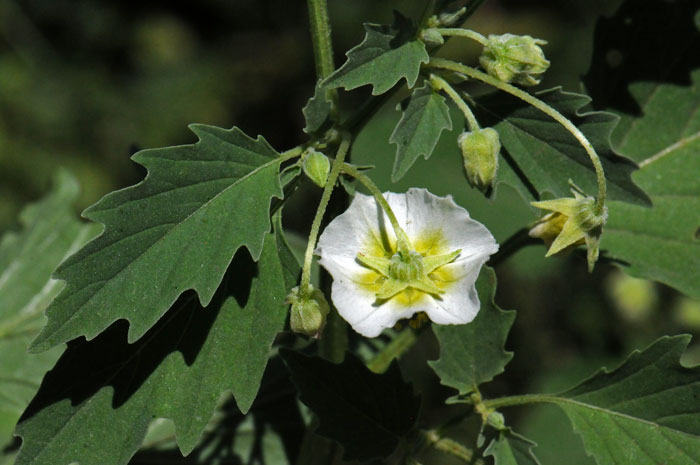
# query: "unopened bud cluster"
{"type": "Point", "coordinates": [516, 59]}
{"type": "Point", "coordinates": [480, 149]}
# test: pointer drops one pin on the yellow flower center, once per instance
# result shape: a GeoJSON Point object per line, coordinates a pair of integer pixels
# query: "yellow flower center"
{"type": "Point", "coordinates": [406, 278]}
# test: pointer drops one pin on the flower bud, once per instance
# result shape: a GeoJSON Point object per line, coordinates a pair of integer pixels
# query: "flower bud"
{"type": "Point", "coordinates": [450, 17]}
{"type": "Point", "coordinates": [517, 59]}
{"type": "Point", "coordinates": [308, 313]}
{"type": "Point", "coordinates": [432, 37]}
{"type": "Point", "coordinates": [480, 150]}
{"type": "Point", "coordinates": [316, 167]}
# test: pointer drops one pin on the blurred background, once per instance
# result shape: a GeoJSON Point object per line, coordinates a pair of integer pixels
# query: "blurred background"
{"type": "Point", "coordinates": [84, 84]}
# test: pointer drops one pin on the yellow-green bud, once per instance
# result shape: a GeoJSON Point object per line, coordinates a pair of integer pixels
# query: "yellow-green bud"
{"type": "Point", "coordinates": [316, 167]}
{"type": "Point", "coordinates": [517, 59]}
{"type": "Point", "coordinates": [308, 313]}
{"type": "Point", "coordinates": [480, 150]}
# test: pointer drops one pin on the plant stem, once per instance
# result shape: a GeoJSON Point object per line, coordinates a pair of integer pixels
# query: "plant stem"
{"type": "Point", "coordinates": [458, 32]}
{"type": "Point", "coordinates": [439, 83]}
{"type": "Point", "coordinates": [517, 241]}
{"type": "Point", "coordinates": [451, 447]}
{"type": "Point", "coordinates": [321, 37]}
{"type": "Point", "coordinates": [316, 225]}
{"type": "Point", "coordinates": [441, 63]}
{"type": "Point", "coordinates": [403, 243]}
{"type": "Point", "coordinates": [520, 400]}
{"type": "Point", "coordinates": [393, 350]}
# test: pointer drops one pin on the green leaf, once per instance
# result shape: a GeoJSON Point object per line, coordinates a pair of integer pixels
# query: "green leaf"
{"type": "Point", "coordinates": [659, 105]}
{"type": "Point", "coordinates": [418, 130]}
{"type": "Point", "coordinates": [386, 55]}
{"type": "Point", "coordinates": [317, 109]}
{"type": "Point", "coordinates": [176, 230]}
{"type": "Point", "coordinates": [368, 413]}
{"type": "Point", "coordinates": [541, 156]}
{"type": "Point", "coordinates": [94, 407]}
{"type": "Point", "coordinates": [645, 412]}
{"type": "Point", "coordinates": [472, 354]}
{"type": "Point", "coordinates": [509, 448]}
{"type": "Point", "coordinates": [50, 232]}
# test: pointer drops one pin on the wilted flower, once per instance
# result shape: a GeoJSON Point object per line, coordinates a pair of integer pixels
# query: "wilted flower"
{"type": "Point", "coordinates": [574, 221]}
{"type": "Point", "coordinates": [480, 149]}
{"type": "Point", "coordinates": [375, 284]}
{"type": "Point", "coordinates": [512, 58]}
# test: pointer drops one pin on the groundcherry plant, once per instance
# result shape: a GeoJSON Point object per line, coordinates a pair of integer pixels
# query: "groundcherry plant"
{"type": "Point", "coordinates": [194, 327]}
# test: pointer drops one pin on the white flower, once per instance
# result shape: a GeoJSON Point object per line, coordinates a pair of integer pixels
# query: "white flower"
{"type": "Point", "coordinates": [374, 285]}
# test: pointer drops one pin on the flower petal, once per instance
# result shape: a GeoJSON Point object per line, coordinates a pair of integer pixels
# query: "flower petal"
{"type": "Point", "coordinates": [359, 308]}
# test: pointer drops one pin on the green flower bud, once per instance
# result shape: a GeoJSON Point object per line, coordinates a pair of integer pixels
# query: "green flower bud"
{"type": "Point", "coordinates": [316, 167]}
{"type": "Point", "coordinates": [432, 37]}
{"type": "Point", "coordinates": [480, 150]}
{"type": "Point", "coordinates": [517, 59]}
{"type": "Point", "coordinates": [308, 313]}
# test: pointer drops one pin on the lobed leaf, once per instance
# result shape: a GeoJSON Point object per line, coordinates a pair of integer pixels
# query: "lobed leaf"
{"type": "Point", "coordinates": [658, 102]}
{"type": "Point", "coordinates": [474, 353]}
{"type": "Point", "coordinates": [644, 412]}
{"type": "Point", "coordinates": [418, 130]}
{"type": "Point", "coordinates": [367, 413]}
{"type": "Point", "coordinates": [176, 230]}
{"type": "Point", "coordinates": [94, 407]}
{"type": "Point", "coordinates": [509, 448]}
{"type": "Point", "coordinates": [541, 156]}
{"type": "Point", "coordinates": [50, 232]}
{"type": "Point", "coordinates": [385, 56]}
{"type": "Point", "coordinates": [317, 110]}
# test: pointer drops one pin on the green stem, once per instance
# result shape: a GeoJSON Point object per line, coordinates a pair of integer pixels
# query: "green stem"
{"type": "Point", "coordinates": [403, 243]}
{"type": "Point", "coordinates": [451, 447]}
{"type": "Point", "coordinates": [321, 37]}
{"type": "Point", "coordinates": [439, 83]}
{"type": "Point", "coordinates": [458, 32]}
{"type": "Point", "coordinates": [520, 400]}
{"type": "Point", "coordinates": [316, 225]}
{"type": "Point", "coordinates": [393, 350]}
{"type": "Point", "coordinates": [441, 63]}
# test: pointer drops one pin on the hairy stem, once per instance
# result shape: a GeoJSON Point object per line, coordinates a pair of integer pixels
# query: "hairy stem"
{"type": "Point", "coordinates": [403, 243]}
{"type": "Point", "coordinates": [439, 83]}
{"type": "Point", "coordinates": [321, 37]}
{"type": "Point", "coordinates": [520, 400]}
{"type": "Point", "coordinates": [316, 225]}
{"type": "Point", "coordinates": [441, 63]}
{"type": "Point", "coordinates": [458, 32]}
{"type": "Point", "coordinates": [393, 350]}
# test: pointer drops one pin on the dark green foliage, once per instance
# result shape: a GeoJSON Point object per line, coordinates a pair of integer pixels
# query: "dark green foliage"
{"type": "Point", "coordinates": [423, 119]}
{"type": "Point", "coordinates": [474, 353]}
{"type": "Point", "coordinates": [386, 55]}
{"type": "Point", "coordinates": [95, 405]}
{"type": "Point", "coordinates": [541, 156]}
{"type": "Point", "coordinates": [176, 230]}
{"type": "Point", "coordinates": [366, 412]}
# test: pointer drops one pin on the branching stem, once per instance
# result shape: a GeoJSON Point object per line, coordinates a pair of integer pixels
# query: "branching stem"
{"type": "Point", "coordinates": [441, 63]}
